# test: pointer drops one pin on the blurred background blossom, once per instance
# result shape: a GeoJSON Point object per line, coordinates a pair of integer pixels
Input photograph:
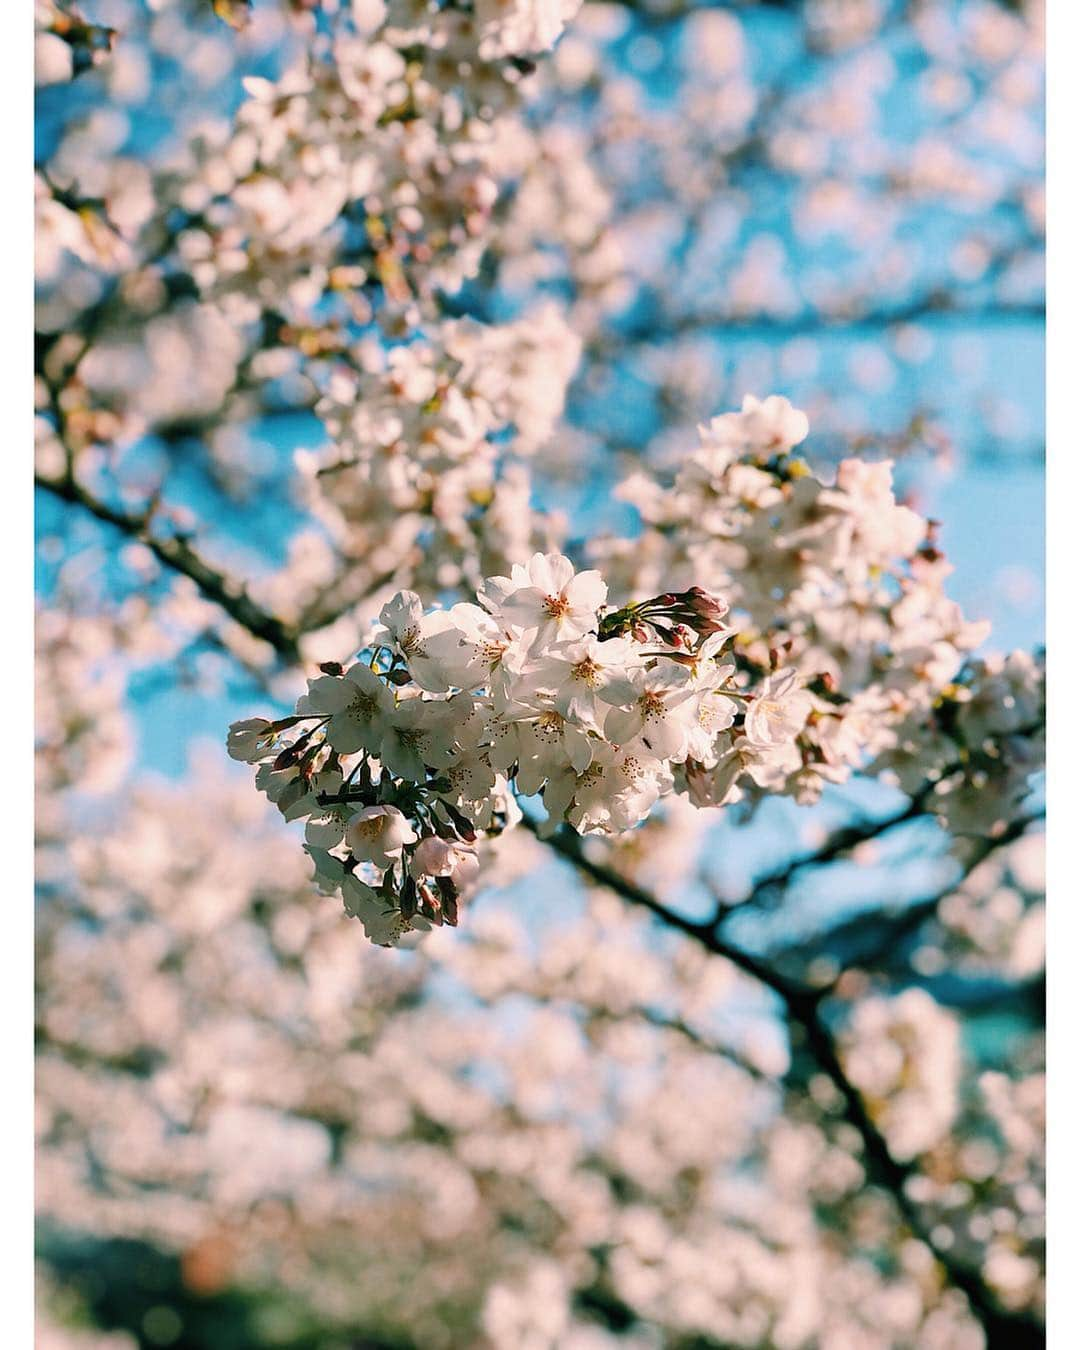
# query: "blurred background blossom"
{"type": "Point", "coordinates": [567, 1124]}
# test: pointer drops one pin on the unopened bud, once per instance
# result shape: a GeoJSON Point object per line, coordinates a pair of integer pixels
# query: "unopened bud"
{"type": "Point", "coordinates": [708, 610]}
{"type": "Point", "coordinates": [292, 753]}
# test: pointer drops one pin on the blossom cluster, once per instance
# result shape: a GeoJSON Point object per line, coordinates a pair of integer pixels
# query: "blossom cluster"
{"type": "Point", "coordinates": [841, 654]}
{"type": "Point", "coordinates": [300, 254]}
{"type": "Point", "coordinates": [426, 441]}
{"type": "Point", "coordinates": [353, 190]}
{"type": "Point", "coordinates": [384, 137]}
{"type": "Point", "coordinates": [847, 586]}
{"type": "Point", "coordinates": [979, 744]}
{"type": "Point", "coordinates": [408, 756]}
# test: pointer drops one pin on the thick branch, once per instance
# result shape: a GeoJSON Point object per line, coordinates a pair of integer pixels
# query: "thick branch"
{"type": "Point", "coordinates": [176, 553]}
{"type": "Point", "coordinates": [1004, 1330]}
{"type": "Point", "coordinates": [568, 845]}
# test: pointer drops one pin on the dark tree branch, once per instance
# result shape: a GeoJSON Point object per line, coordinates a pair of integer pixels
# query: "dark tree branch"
{"type": "Point", "coordinates": [176, 553]}
{"type": "Point", "coordinates": [569, 846]}
{"type": "Point", "coordinates": [938, 309]}
{"type": "Point", "coordinates": [841, 841]}
{"type": "Point", "coordinates": [1004, 1330]}
{"type": "Point", "coordinates": [904, 924]}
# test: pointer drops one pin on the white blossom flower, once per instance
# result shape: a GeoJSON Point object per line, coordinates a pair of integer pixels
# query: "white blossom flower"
{"type": "Point", "coordinates": [377, 834]}
{"type": "Point", "coordinates": [540, 744]}
{"type": "Point", "coordinates": [715, 784]}
{"type": "Point", "coordinates": [616, 791]}
{"type": "Point", "coordinates": [418, 735]}
{"type": "Point", "coordinates": [289, 792]}
{"type": "Point", "coordinates": [473, 649]}
{"type": "Point", "coordinates": [522, 27]}
{"type": "Point", "coordinates": [359, 705]}
{"type": "Point", "coordinates": [713, 714]}
{"type": "Point", "coordinates": [706, 672]}
{"type": "Point", "coordinates": [326, 824]}
{"type": "Point", "coordinates": [778, 711]}
{"type": "Point", "coordinates": [470, 779]}
{"type": "Point", "coordinates": [575, 675]}
{"type": "Point", "coordinates": [769, 424]}
{"type": "Point", "coordinates": [654, 704]}
{"type": "Point", "coordinates": [408, 630]}
{"type": "Point", "coordinates": [548, 600]}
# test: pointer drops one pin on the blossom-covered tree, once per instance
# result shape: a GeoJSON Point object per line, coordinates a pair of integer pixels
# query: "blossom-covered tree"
{"type": "Point", "coordinates": [385, 341]}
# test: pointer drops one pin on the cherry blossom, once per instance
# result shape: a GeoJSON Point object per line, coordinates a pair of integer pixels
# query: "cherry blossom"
{"type": "Point", "coordinates": [377, 834]}
{"type": "Point", "coordinates": [338, 368]}
{"type": "Point", "coordinates": [549, 602]}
